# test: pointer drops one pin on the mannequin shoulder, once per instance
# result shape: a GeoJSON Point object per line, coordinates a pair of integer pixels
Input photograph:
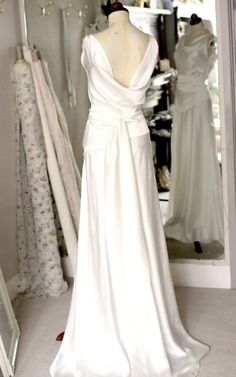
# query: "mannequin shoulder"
{"type": "Point", "coordinates": [139, 34]}
{"type": "Point", "coordinates": [179, 42]}
{"type": "Point", "coordinates": [139, 38]}
{"type": "Point", "coordinates": [100, 35]}
{"type": "Point", "coordinates": [131, 34]}
{"type": "Point", "coordinates": [211, 44]}
{"type": "Point", "coordinates": [212, 39]}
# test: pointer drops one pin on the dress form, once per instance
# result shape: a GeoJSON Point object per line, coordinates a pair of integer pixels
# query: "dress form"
{"type": "Point", "coordinates": [198, 30]}
{"type": "Point", "coordinates": [196, 204]}
{"type": "Point", "coordinates": [123, 318]}
{"type": "Point", "coordinates": [124, 45]}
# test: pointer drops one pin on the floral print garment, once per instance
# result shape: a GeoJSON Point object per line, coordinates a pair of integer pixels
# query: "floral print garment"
{"type": "Point", "coordinates": [61, 171]}
{"type": "Point", "coordinates": [40, 270]}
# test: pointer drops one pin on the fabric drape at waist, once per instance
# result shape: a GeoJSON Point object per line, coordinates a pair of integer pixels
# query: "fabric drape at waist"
{"type": "Point", "coordinates": [190, 90]}
{"type": "Point", "coordinates": [107, 127]}
{"type": "Point", "coordinates": [113, 116]}
{"type": "Point", "coordinates": [191, 83]}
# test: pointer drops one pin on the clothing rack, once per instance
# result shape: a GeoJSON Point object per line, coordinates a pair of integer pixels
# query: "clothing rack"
{"type": "Point", "coordinates": [45, 11]}
{"type": "Point", "coordinates": [2, 10]}
{"type": "Point", "coordinates": [69, 9]}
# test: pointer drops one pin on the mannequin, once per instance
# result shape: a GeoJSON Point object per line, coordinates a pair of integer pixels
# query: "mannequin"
{"type": "Point", "coordinates": [123, 319]}
{"type": "Point", "coordinates": [116, 41]}
{"type": "Point", "coordinates": [195, 211]}
{"type": "Point", "coordinates": [197, 29]}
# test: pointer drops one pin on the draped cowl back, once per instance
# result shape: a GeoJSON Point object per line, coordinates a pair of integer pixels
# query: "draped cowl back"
{"type": "Point", "coordinates": [103, 89]}
{"type": "Point", "coordinates": [113, 104]}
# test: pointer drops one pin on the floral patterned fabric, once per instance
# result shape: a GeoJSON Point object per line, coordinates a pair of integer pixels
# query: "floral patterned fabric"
{"type": "Point", "coordinates": [59, 162]}
{"type": "Point", "coordinates": [40, 270]}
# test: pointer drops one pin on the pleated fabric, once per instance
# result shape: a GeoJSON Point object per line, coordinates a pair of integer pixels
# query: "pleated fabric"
{"type": "Point", "coordinates": [123, 319]}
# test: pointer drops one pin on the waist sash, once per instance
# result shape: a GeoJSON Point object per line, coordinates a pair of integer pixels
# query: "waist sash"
{"type": "Point", "coordinates": [112, 128]}
{"type": "Point", "coordinates": [190, 90]}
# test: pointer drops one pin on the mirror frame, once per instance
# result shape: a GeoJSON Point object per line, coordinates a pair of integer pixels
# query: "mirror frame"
{"type": "Point", "coordinates": [214, 273]}
{"type": "Point", "coordinates": [8, 358]}
{"type": "Point", "coordinates": [226, 23]}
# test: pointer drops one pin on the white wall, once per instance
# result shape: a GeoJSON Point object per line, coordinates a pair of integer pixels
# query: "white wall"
{"type": "Point", "coordinates": [46, 32]}
{"type": "Point", "coordinates": [9, 38]}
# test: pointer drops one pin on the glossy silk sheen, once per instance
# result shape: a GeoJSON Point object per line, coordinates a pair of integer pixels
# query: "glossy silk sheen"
{"type": "Point", "coordinates": [123, 319]}
{"type": "Point", "coordinates": [196, 199]}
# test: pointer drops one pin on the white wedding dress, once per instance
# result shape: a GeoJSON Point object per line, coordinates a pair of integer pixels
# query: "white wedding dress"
{"type": "Point", "coordinates": [196, 199]}
{"type": "Point", "coordinates": [123, 319]}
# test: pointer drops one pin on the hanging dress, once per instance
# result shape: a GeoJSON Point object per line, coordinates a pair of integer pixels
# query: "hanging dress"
{"type": "Point", "coordinates": [196, 199]}
{"type": "Point", "coordinates": [123, 319]}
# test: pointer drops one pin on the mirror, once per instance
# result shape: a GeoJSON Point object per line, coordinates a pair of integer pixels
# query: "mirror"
{"type": "Point", "coordinates": [169, 23]}
{"type": "Point", "coordinates": [9, 332]}
{"type": "Point", "coordinates": [184, 122]}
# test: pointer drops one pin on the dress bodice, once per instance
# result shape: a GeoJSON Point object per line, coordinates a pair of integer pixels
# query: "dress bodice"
{"type": "Point", "coordinates": [194, 63]}
{"type": "Point", "coordinates": [115, 109]}
{"type": "Point", "coordinates": [194, 59]}
{"type": "Point", "coordinates": [104, 89]}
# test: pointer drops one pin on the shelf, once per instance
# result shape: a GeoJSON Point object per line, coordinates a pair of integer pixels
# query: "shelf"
{"type": "Point", "coordinates": [150, 11]}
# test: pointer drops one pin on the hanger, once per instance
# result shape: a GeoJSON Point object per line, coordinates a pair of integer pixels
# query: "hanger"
{"type": "Point", "coordinates": [2, 10]}
{"type": "Point", "coordinates": [69, 9]}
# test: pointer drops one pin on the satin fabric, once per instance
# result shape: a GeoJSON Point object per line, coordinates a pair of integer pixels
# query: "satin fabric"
{"type": "Point", "coordinates": [123, 319]}
{"type": "Point", "coordinates": [196, 200]}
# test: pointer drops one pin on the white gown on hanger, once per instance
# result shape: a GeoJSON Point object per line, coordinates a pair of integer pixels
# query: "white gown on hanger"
{"type": "Point", "coordinates": [123, 319]}
{"type": "Point", "coordinates": [196, 200]}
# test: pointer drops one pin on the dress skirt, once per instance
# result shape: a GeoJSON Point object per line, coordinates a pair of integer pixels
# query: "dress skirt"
{"type": "Point", "coordinates": [123, 319]}
{"type": "Point", "coordinates": [196, 195]}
